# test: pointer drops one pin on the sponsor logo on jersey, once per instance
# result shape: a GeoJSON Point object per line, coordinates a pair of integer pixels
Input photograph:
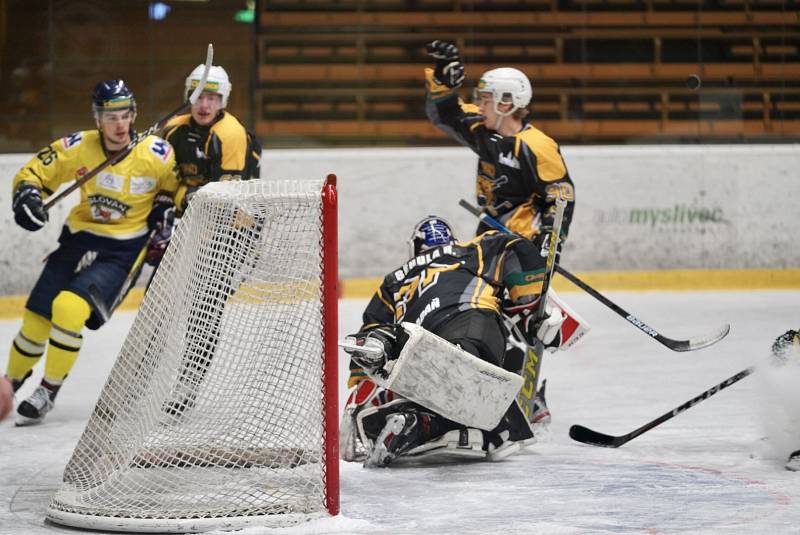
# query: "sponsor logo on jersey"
{"type": "Point", "coordinates": [161, 148]}
{"type": "Point", "coordinates": [142, 184]}
{"type": "Point", "coordinates": [71, 140]}
{"type": "Point", "coordinates": [106, 209]}
{"type": "Point", "coordinates": [433, 305]}
{"type": "Point", "coordinates": [110, 181]}
{"type": "Point", "coordinates": [80, 172]}
{"type": "Point", "coordinates": [508, 160]}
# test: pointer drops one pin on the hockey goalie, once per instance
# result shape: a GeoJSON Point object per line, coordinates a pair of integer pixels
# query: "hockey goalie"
{"type": "Point", "coordinates": [427, 366]}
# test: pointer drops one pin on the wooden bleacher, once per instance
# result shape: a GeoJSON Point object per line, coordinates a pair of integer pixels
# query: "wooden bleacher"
{"type": "Point", "coordinates": [351, 71]}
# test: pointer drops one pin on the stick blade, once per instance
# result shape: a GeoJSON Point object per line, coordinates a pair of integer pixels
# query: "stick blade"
{"type": "Point", "coordinates": [700, 343]}
{"type": "Point", "coordinates": [585, 435]}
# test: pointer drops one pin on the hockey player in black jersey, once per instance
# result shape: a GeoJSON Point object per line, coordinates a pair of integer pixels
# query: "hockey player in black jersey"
{"type": "Point", "coordinates": [520, 169]}
{"type": "Point", "coordinates": [211, 145]}
{"type": "Point", "coordinates": [454, 290]}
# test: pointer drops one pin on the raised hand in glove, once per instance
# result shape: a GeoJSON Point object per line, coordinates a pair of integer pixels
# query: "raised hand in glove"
{"type": "Point", "coordinates": [371, 348]}
{"type": "Point", "coordinates": [29, 212]}
{"type": "Point", "coordinates": [162, 223]}
{"type": "Point", "coordinates": [448, 69]}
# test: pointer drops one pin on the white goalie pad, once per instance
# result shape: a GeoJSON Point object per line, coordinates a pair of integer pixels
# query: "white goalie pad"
{"type": "Point", "coordinates": [449, 381]}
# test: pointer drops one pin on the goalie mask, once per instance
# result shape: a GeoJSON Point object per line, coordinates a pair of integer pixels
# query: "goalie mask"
{"type": "Point", "coordinates": [112, 95]}
{"type": "Point", "coordinates": [217, 82]}
{"type": "Point", "coordinates": [506, 85]}
{"type": "Point", "coordinates": [431, 232]}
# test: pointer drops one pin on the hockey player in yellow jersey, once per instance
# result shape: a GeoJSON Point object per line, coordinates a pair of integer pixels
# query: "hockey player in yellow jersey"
{"type": "Point", "coordinates": [520, 169]}
{"type": "Point", "coordinates": [118, 211]}
{"type": "Point", "coordinates": [210, 144]}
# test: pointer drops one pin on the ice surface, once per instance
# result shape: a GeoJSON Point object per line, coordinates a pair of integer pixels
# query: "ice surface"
{"type": "Point", "coordinates": [718, 468]}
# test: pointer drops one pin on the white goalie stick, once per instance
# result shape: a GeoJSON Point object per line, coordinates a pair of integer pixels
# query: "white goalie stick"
{"type": "Point", "coordinates": [139, 137]}
{"type": "Point", "coordinates": [588, 436]}
{"type": "Point", "coordinates": [691, 344]}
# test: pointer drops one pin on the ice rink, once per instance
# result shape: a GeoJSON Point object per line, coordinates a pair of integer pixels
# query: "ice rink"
{"type": "Point", "coordinates": [718, 468]}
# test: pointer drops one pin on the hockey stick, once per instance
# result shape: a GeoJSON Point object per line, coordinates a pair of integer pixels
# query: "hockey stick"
{"type": "Point", "coordinates": [138, 138]}
{"type": "Point", "coordinates": [675, 345]}
{"type": "Point", "coordinates": [532, 364]}
{"type": "Point", "coordinates": [133, 275]}
{"type": "Point", "coordinates": [588, 436]}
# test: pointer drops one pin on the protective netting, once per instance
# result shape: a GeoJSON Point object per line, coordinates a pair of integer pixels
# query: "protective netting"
{"type": "Point", "coordinates": [212, 415]}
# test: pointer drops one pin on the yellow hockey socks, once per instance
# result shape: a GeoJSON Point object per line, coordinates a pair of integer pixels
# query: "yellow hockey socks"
{"type": "Point", "coordinates": [27, 348]}
{"type": "Point", "coordinates": [70, 312]}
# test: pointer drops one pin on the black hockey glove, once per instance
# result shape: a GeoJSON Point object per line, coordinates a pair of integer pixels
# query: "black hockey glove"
{"type": "Point", "coordinates": [379, 345]}
{"type": "Point", "coordinates": [448, 69]}
{"type": "Point", "coordinates": [190, 191]}
{"type": "Point", "coordinates": [784, 346]}
{"type": "Point", "coordinates": [161, 222]}
{"type": "Point", "coordinates": [542, 242]}
{"type": "Point", "coordinates": [29, 212]}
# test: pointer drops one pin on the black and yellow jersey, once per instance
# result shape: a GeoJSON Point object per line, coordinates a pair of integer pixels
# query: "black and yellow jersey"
{"type": "Point", "coordinates": [519, 177]}
{"type": "Point", "coordinates": [116, 202]}
{"type": "Point", "coordinates": [432, 287]}
{"type": "Point", "coordinates": [217, 152]}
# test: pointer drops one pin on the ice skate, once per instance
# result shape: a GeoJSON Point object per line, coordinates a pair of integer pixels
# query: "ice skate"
{"type": "Point", "coordinates": [401, 432]}
{"type": "Point", "coordinates": [541, 417]}
{"type": "Point", "coordinates": [793, 464]}
{"type": "Point", "coordinates": [33, 410]}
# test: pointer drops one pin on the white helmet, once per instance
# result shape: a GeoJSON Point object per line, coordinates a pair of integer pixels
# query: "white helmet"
{"type": "Point", "coordinates": [217, 82]}
{"type": "Point", "coordinates": [506, 85]}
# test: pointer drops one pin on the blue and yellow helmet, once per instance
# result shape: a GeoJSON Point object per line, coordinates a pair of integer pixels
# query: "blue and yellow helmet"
{"type": "Point", "coordinates": [112, 95]}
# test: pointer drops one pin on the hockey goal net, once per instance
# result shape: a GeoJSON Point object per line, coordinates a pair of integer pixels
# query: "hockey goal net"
{"type": "Point", "coordinates": [221, 409]}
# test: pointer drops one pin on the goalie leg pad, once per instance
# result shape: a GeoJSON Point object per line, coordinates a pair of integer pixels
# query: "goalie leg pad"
{"type": "Point", "coordinates": [449, 381]}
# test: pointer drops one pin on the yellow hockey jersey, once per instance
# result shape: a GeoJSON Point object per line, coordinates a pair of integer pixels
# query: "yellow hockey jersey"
{"type": "Point", "coordinates": [116, 202]}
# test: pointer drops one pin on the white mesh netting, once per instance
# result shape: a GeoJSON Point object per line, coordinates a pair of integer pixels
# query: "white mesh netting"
{"type": "Point", "coordinates": [212, 415]}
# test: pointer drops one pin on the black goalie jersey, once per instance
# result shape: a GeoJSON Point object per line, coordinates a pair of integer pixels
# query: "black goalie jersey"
{"type": "Point", "coordinates": [431, 288]}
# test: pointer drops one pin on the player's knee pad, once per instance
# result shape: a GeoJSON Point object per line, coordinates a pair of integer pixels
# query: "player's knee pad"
{"type": "Point", "coordinates": [70, 311]}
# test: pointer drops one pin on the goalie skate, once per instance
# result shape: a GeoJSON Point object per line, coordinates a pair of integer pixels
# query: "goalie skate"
{"type": "Point", "coordinates": [455, 445]}
{"type": "Point", "coordinates": [401, 432]}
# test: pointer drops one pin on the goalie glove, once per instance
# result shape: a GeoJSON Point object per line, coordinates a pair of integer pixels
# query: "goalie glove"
{"type": "Point", "coordinates": [371, 348]}
{"type": "Point", "coordinates": [547, 329]}
{"type": "Point", "coordinates": [448, 68]}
